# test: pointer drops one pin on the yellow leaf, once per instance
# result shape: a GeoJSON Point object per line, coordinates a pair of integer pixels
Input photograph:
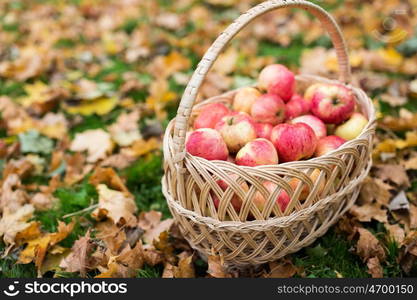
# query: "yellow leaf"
{"type": "Point", "coordinates": [99, 106]}
{"type": "Point", "coordinates": [390, 56]}
{"type": "Point", "coordinates": [142, 147]}
{"type": "Point", "coordinates": [36, 249]}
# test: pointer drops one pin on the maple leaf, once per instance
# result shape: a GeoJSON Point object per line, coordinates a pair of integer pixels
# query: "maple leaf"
{"type": "Point", "coordinates": [216, 267]}
{"type": "Point", "coordinates": [151, 223]}
{"type": "Point", "coordinates": [99, 106]}
{"type": "Point", "coordinates": [109, 177]}
{"type": "Point", "coordinates": [368, 246]}
{"type": "Point", "coordinates": [78, 259]}
{"type": "Point", "coordinates": [96, 142]}
{"type": "Point", "coordinates": [283, 268]}
{"type": "Point", "coordinates": [13, 223]}
{"type": "Point", "coordinates": [375, 268]}
{"type": "Point", "coordinates": [36, 249]}
{"type": "Point", "coordinates": [116, 205]}
{"type": "Point", "coordinates": [126, 128]}
{"type": "Point", "coordinates": [12, 195]}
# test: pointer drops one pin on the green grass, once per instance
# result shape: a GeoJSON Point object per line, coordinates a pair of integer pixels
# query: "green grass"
{"type": "Point", "coordinates": [143, 179]}
{"type": "Point", "coordinates": [70, 200]}
{"type": "Point", "coordinates": [329, 254]}
{"type": "Point", "coordinates": [10, 269]}
{"type": "Point", "coordinates": [150, 272]}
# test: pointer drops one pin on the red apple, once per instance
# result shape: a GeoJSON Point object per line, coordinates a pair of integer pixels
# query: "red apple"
{"type": "Point", "coordinates": [309, 92]}
{"type": "Point", "coordinates": [244, 99]}
{"type": "Point", "coordinates": [315, 123]}
{"type": "Point", "coordinates": [297, 106]}
{"type": "Point", "coordinates": [210, 115]}
{"type": "Point", "coordinates": [293, 141]}
{"type": "Point", "coordinates": [257, 152]}
{"type": "Point", "coordinates": [207, 143]}
{"type": "Point", "coordinates": [268, 108]}
{"type": "Point", "coordinates": [236, 129]}
{"type": "Point", "coordinates": [236, 200]}
{"type": "Point", "coordinates": [282, 199]}
{"type": "Point", "coordinates": [327, 144]}
{"type": "Point", "coordinates": [263, 130]}
{"type": "Point", "coordinates": [333, 104]}
{"type": "Point", "coordinates": [352, 127]}
{"type": "Point", "coordinates": [277, 79]}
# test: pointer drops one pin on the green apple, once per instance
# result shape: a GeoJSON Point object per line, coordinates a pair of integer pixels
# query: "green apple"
{"type": "Point", "coordinates": [352, 127]}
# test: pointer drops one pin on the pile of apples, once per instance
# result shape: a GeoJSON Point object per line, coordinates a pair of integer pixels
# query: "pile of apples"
{"type": "Point", "coordinates": [271, 123]}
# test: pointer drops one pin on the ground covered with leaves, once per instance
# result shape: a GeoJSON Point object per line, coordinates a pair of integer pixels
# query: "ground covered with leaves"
{"type": "Point", "coordinates": [88, 87]}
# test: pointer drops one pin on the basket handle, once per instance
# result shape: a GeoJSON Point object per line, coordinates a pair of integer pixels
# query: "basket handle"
{"type": "Point", "coordinates": [190, 92]}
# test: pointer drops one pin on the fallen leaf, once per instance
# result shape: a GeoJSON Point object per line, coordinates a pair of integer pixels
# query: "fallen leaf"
{"type": "Point", "coordinates": [369, 211]}
{"type": "Point", "coordinates": [394, 173]}
{"type": "Point", "coordinates": [368, 246]}
{"type": "Point", "coordinates": [185, 268]}
{"type": "Point", "coordinates": [12, 195]}
{"type": "Point", "coordinates": [141, 147]}
{"type": "Point", "coordinates": [99, 106]}
{"type": "Point", "coordinates": [282, 269]}
{"type": "Point", "coordinates": [118, 206]}
{"type": "Point", "coordinates": [108, 177]}
{"type": "Point", "coordinates": [374, 189]}
{"type": "Point", "coordinates": [151, 223]}
{"type": "Point", "coordinates": [13, 223]}
{"type": "Point", "coordinates": [33, 142]}
{"type": "Point", "coordinates": [216, 267]}
{"type": "Point", "coordinates": [400, 201]}
{"type": "Point", "coordinates": [375, 268]}
{"type": "Point", "coordinates": [126, 128]}
{"type": "Point", "coordinates": [36, 249]}
{"type": "Point", "coordinates": [78, 260]}
{"type": "Point", "coordinates": [96, 142]}
{"type": "Point", "coordinates": [396, 232]}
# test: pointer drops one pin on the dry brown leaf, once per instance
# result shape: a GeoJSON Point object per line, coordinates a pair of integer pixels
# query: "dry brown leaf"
{"type": "Point", "coordinates": [369, 211]}
{"type": "Point", "coordinates": [13, 223]}
{"type": "Point", "coordinates": [413, 216]}
{"type": "Point", "coordinates": [78, 260]}
{"type": "Point", "coordinates": [12, 195]}
{"type": "Point", "coordinates": [42, 201]}
{"type": "Point", "coordinates": [112, 236]}
{"type": "Point", "coordinates": [375, 268]}
{"type": "Point", "coordinates": [185, 268]}
{"type": "Point", "coordinates": [96, 142]}
{"type": "Point", "coordinates": [396, 232]}
{"type": "Point", "coordinates": [141, 147]}
{"type": "Point", "coordinates": [118, 206]}
{"type": "Point", "coordinates": [410, 164]}
{"type": "Point", "coordinates": [126, 129]}
{"type": "Point", "coordinates": [283, 268]}
{"type": "Point", "coordinates": [118, 161]}
{"type": "Point", "coordinates": [374, 189]}
{"type": "Point", "coordinates": [394, 173]}
{"type": "Point", "coordinates": [108, 177]}
{"type": "Point", "coordinates": [216, 267]}
{"type": "Point", "coordinates": [125, 264]}
{"type": "Point", "coordinates": [151, 223]}
{"type": "Point", "coordinates": [168, 271]}
{"type": "Point", "coordinates": [368, 246]}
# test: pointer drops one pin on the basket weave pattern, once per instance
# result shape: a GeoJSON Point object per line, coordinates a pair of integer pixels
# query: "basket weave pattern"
{"type": "Point", "coordinates": [321, 189]}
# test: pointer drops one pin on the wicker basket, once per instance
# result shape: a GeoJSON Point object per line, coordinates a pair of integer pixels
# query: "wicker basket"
{"type": "Point", "coordinates": [250, 236]}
